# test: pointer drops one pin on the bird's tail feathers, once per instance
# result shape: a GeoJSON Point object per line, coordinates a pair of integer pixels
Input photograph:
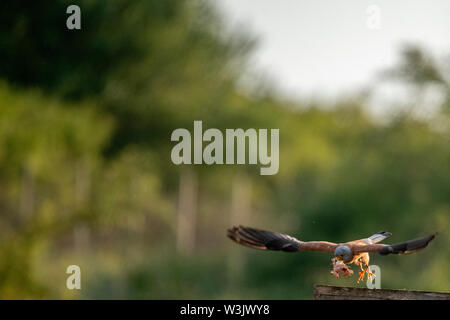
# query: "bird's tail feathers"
{"type": "Point", "coordinates": [379, 236]}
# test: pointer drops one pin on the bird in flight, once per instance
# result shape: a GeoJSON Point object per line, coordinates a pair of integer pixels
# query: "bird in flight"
{"type": "Point", "coordinates": [353, 252]}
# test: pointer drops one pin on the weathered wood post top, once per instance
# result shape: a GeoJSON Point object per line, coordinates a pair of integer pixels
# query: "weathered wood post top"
{"type": "Point", "coordinates": [348, 293]}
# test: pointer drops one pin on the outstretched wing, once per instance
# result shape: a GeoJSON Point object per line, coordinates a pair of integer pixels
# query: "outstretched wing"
{"type": "Point", "coordinates": [398, 248]}
{"type": "Point", "coordinates": [267, 240]}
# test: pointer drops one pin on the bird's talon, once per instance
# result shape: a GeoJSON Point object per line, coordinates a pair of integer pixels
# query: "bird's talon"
{"type": "Point", "coordinates": [361, 275]}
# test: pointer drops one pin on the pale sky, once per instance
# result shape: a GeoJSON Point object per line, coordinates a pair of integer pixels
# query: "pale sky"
{"type": "Point", "coordinates": [324, 48]}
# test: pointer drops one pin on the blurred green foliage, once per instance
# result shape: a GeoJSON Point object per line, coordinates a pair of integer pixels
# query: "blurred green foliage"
{"type": "Point", "coordinates": [86, 176]}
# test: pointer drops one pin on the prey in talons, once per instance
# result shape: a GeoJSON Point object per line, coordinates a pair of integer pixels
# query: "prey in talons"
{"type": "Point", "coordinates": [340, 268]}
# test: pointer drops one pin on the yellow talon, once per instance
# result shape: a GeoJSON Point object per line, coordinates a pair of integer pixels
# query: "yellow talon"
{"type": "Point", "coordinates": [361, 275]}
{"type": "Point", "coordinates": [364, 271]}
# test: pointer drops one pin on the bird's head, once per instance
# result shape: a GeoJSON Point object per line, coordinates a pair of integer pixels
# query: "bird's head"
{"type": "Point", "coordinates": [343, 253]}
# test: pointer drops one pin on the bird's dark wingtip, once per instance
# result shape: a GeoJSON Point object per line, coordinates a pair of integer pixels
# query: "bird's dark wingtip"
{"type": "Point", "coordinates": [408, 246]}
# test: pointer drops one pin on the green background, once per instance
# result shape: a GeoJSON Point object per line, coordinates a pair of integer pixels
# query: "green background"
{"type": "Point", "coordinates": [86, 177]}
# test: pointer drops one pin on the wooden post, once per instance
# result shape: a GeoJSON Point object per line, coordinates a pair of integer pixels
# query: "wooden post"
{"type": "Point", "coordinates": [348, 293]}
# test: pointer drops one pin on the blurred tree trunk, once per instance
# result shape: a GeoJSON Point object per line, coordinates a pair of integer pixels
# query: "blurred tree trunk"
{"type": "Point", "coordinates": [187, 211]}
{"type": "Point", "coordinates": [82, 187]}
{"type": "Point", "coordinates": [26, 202]}
{"type": "Point", "coordinates": [82, 182]}
{"type": "Point", "coordinates": [240, 198]}
{"type": "Point", "coordinates": [241, 191]}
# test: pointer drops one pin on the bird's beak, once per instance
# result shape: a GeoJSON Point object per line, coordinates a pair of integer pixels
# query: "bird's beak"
{"type": "Point", "coordinates": [339, 258]}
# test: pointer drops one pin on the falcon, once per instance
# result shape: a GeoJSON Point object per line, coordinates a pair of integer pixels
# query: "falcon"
{"type": "Point", "coordinates": [353, 252]}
